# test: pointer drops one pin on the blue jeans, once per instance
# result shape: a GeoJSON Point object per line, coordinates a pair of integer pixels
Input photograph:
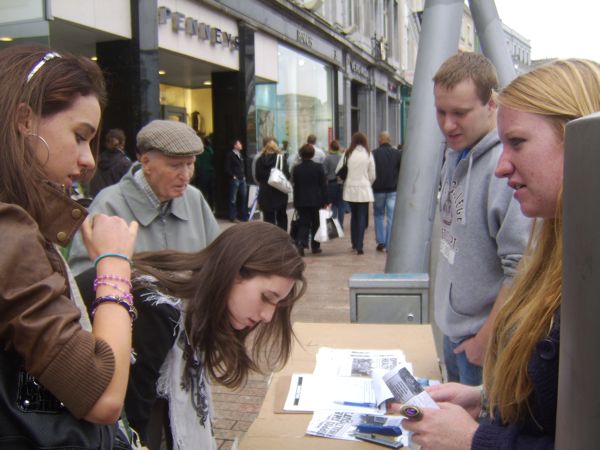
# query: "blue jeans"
{"type": "Point", "coordinates": [358, 223]}
{"type": "Point", "coordinates": [238, 193]}
{"type": "Point", "coordinates": [334, 191]}
{"type": "Point", "coordinates": [384, 206]}
{"type": "Point", "coordinates": [458, 366]}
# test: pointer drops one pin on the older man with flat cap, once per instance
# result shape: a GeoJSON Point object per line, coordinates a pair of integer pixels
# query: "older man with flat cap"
{"type": "Point", "coordinates": [156, 193]}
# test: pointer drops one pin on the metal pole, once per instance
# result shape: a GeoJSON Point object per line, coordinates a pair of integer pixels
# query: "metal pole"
{"type": "Point", "coordinates": [490, 33]}
{"type": "Point", "coordinates": [422, 159]}
{"type": "Point", "coordinates": [578, 409]}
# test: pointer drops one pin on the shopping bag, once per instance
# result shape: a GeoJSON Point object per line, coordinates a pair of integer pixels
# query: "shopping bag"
{"type": "Point", "coordinates": [277, 178]}
{"type": "Point", "coordinates": [321, 235]}
{"type": "Point", "coordinates": [334, 229]}
{"type": "Point", "coordinates": [294, 226]}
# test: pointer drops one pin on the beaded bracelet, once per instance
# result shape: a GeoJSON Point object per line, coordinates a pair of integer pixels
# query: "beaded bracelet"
{"type": "Point", "coordinates": [114, 255]}
{"type": "Point", "coordinates": [117, 278]}
{"type": "Point", "coordinates": [483, 412]}
{"type": "Point", "coordinates": [114, 299]}
{"type": "Point", "coordinates": [125, 294]}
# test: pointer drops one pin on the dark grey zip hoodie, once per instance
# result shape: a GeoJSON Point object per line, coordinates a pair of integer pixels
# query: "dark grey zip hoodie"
{"type": "Point", "coordinates": [483, 235]}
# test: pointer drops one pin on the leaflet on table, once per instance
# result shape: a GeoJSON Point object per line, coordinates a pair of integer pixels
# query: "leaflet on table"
{"type": "Point", "coordinates": [357, 363]}
{"type": "Point", "coordinates": [309, 392]}
{"type": "Point", "coordinates": [342, 424]}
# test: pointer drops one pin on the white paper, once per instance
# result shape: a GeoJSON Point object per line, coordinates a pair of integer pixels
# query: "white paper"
{"type": "Point", "coordinates": [349, 362]}
{"type": "Point", "coordinates": [309, 392]}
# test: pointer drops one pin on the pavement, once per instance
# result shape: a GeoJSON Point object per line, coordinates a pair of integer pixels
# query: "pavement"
{"type": "Point", "coordinates": [326, 300]}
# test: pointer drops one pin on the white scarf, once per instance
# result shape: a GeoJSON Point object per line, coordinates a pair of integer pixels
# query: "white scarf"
{"type": "Point", "coordinates": [190, 410]}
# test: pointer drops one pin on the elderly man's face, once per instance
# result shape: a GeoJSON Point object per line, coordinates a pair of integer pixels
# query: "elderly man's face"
{"type": "Point", "coordinates": [168, 176]}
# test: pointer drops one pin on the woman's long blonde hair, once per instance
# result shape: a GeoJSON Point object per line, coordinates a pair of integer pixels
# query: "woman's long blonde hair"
{"type": "Point", "coordinates": [560, 91]}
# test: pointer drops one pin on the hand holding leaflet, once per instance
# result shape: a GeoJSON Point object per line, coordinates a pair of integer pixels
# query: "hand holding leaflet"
{"type": "Point", "coordinates": [406, 389]}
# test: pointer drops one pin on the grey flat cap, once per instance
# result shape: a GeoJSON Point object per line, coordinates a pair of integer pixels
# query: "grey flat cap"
{"type": "Point", "coordinates": [169, 137]}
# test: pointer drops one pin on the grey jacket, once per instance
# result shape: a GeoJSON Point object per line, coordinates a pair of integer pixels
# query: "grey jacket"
{"type": "Point", "coordinates": [188, 226]}
{"type": "Point", "coordinates": [483, 235]}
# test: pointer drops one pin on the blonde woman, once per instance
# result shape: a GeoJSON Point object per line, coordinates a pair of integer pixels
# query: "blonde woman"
{"type": "Point", "coordinates": [521, 367]}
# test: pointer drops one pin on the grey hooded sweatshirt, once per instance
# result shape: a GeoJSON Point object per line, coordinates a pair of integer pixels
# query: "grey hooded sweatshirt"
{"type": "Point", "coordinates": [483, 235]}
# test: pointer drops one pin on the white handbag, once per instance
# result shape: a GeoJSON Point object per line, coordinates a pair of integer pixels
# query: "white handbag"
{"type": "Point", "coordinates": [277, 178]}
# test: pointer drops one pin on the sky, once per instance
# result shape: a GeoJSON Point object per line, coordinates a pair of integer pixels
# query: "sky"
{"type": "Point", "coordinates": [555, 28]}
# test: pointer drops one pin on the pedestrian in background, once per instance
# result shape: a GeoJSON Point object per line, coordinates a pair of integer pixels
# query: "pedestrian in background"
{"type": "Point", "coordinates": [310, 195]}
{"type": "Point", "coordinates": [357, 187]}
{"type": "Point", "coordinates": [205, 172]}
{"type": "Point", "coordinates": [517, 404]}
{"type": "Point", "coordinates": [273, 203]}
{"type": "Point", "coordinates": [320, 154]}
{"type": "Point", "coordinates": [156, 193]}
{"type": "Point", "coordinates": [387, 167]}
{"type": "Point", "coordinates": [334, 186]}
{"type": "Point", "coordinates": [235, 169]}
{"type": "Point", "coordinates": [113, 162]}
{"type": "Point", "coordinates": [63, 377]}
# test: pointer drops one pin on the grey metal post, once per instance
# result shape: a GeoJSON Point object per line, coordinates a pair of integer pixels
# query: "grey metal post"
{"type": "Point", "coordinates": [490, 33]}
{"type": "Point", "coordinates": [421, 162]}
{"type": "Point", "coordinates": [578, 387]}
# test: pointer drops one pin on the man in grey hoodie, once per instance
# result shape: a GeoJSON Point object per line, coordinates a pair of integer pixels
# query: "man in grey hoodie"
{"type": "Point", "coordinates": [483, 232]}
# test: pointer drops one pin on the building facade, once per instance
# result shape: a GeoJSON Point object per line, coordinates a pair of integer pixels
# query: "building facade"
{"type": "Point", "coordinates": [238, 69]}
{"type": "Point", "coordinates": [519, 49]}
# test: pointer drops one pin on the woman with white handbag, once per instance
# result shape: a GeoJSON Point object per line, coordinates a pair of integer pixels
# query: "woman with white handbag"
{"type": "Point", "coordinates": [272, 201]}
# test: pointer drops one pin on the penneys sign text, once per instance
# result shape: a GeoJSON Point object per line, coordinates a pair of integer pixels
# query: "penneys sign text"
{"type": "Point", "coordinates": [193, 27]}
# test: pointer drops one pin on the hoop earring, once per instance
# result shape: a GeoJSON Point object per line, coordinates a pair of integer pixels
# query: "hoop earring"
{"type": "Point", "coordinates": [45, 144]}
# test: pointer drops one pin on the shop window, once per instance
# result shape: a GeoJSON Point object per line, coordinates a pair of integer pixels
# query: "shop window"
{"type": "Point", "coordinates": [301, 103]}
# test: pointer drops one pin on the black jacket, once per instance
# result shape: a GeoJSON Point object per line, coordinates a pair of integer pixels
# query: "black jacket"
{"type": "Point", "coordinates": [234, 166]}
{"type": "Point", "coordinates": [153, 336]}
{"type": "Point", "coordinates": [387, 168]}
{"type": "Point", "coordinates": [112, 165]}
{"type": "Point", "coordinates": [269, 198]}
{"type": "Point", "coordinates": [310, 187]}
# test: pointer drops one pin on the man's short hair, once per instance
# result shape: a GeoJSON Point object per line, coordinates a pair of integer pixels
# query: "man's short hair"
{"type": "Point", "coordinates": [468, 66]}
{"type": "Point", "coordinates": [311, 139]}
{"type": "Point", "coordinates": [307, 151]}
{"type": "Point", "coordinates": [384, 137]}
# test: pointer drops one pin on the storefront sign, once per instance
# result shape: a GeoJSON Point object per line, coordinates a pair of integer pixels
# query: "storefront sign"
{"type": "Point", "coordinates": [359, 69]}
{"type": "Point", "coordinates": [304, 38]}
{"type": "Point", "coordinates": [192, 27]}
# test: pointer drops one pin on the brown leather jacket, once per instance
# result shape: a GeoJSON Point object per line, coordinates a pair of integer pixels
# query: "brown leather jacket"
{"type": "Point", "coordinates": [38, 320]}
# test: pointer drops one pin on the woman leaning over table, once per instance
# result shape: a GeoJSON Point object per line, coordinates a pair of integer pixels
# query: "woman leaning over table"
{"type": "Point", "coordinates": [521, 367]}
{"type": "Point", "coordinates": [71, 373]}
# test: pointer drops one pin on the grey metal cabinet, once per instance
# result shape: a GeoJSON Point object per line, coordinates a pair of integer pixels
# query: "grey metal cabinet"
{"type": "Point", "coordinates": [389, 298]}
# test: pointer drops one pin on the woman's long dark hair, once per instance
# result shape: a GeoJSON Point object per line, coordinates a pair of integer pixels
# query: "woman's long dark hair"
{"type": "Point", "coordinates": [204, 281]}
{"type": "Point", "coordinates": [53, 88]}
{"type": "Point", "coordinates": [358, 138]}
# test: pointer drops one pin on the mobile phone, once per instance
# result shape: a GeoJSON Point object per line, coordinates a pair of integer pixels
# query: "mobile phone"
{"type": "Point", "coordinates": [367, 437]}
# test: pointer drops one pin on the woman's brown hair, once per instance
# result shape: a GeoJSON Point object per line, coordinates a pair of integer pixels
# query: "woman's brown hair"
{"type": "Point", "coordinates": [204, 281]}
{"type": "Point", "coordinates": [358, 138]}
{"type": "Point", "coordinates": [45, 86]}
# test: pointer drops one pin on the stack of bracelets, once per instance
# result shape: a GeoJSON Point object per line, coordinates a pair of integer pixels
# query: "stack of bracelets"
{"type": "Point", "coordinates": [120, 284]}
